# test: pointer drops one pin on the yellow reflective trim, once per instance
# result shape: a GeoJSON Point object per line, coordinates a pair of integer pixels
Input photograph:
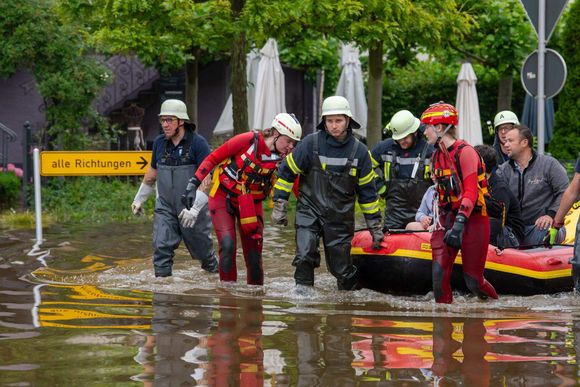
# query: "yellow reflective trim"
{"type": "Point", "coordinates": [282, 187]}
{"type": "Point", "coordinates": [284, 184]}
{"type": "Point", "coordinates": [367, 179]}
{"type": "Point", "coordinates": [324, 166]}
{"type": "Point", "coordinates": [488, 265]}
{"type": "Point", "coordinates": [292, 164]}
{"type": "Point", "coordinates": [374, 162]}
{"type": "Point", "coordinates": [387, 171]}
{"type": "Point", "coordinates": [353, 171]}
{"type": "Point", "coordinates": [369, 208]}
{"type": "Point", "coordinates": [251, 219]}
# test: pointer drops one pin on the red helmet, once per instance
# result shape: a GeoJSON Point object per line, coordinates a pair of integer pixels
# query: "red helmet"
{"type": "Point", "coordinates": [440, 113]}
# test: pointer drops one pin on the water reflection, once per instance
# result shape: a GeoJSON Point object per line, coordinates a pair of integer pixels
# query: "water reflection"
{"type": "Point", "coordinates": [98, 307]}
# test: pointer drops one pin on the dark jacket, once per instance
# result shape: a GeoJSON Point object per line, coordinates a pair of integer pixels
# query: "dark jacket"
{"type": "Point", "coordinates": [332, 155]}
{"type": "Point", "coordinates": [500, 191]}
{"type": "Point", "coordinates": [501, 157]}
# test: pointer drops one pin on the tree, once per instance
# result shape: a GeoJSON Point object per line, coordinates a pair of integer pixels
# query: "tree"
{"type": "Point", "coordinates": [68, 76]}
{"type": "Point", "coordinates": [167, 35]}
{"type": "Point", "coordinates": [373, 25]}
{"type": "Point", "coordinates": [566, 143]}
{"type": "Point", "coordinates": [503, 37]}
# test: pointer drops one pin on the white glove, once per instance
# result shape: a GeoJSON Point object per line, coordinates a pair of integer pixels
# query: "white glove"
{"type": "Point", "coordinates": [189, 217]}
{"type": "Point", "coordinates": [141, 197]}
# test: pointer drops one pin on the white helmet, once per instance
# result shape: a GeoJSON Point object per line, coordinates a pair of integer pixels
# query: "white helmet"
{"type": "Point", "coordinates": [505, 117]}
{"type": "Point", "coordinates": [336, 105]}
{"type": "Point", "coordinates": [174, 107]}
{"type": "Point", "coordinates": [402, 124]}
{"type": "Point", "coordinates": [287, 125]}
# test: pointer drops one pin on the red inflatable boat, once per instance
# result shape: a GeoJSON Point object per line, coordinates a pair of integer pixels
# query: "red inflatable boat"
{"type": "Point", "coordinates": [403, 265]}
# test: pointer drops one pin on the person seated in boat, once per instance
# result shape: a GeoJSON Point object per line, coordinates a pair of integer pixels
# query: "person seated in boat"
{"type": "Point", "coordinates": [402, 165]}
{"type": "Point", "coordinates": [538, 181]}
{"type": "Point", "coordinates": [503, 122]}
{"type": "Point", "coordinates": [568, 199]}
{"type": "Point", "coordinates": [424, 216]}
{"type": "Point", "coordinates": [505, 218]}
{"type": "Point", "coordinates": [461, 220]}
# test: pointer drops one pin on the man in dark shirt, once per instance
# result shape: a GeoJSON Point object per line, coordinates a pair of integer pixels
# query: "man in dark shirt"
{"type": "Point", "coordinates": [505, 217]}
{"type": "Point", "coordinates": [175, 157]}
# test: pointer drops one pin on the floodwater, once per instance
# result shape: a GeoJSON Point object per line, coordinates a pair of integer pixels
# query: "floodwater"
{"type": "Point", "coordinates": [84, 309]}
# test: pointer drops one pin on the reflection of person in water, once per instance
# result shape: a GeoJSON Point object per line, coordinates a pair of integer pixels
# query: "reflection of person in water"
{"type": "Point", "coordinates": [337, 354]}
{"type": "Point", "coordinates": [324, 359]}
{"type": "Point", "coordinates": [475, 369]}
{"type": "Point", "coordinates": [177, 341]}
{"type": "Point", "coordinates": [235, 347]}
{"type": "Point", "coordinates": [308, 350]}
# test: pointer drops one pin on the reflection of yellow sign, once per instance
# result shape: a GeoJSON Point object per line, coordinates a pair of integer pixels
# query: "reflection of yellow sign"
{"type": "Point", "coordinates": [95, 163]}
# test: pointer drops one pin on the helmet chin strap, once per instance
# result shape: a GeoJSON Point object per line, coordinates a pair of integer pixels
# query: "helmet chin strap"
{"type": "Point", "coordinates": [274, 143]}
{"type": "Point", "coordinates": [440, 135]}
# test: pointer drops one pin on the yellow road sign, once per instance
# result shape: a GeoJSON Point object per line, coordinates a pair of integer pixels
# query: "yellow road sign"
{"type": "Point", "coordinates": [94, 163]}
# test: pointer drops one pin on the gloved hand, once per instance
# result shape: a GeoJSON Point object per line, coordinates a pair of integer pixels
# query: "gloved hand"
{"type": "Point", "coordinates": [381, 186]}
{"type": "Point", "coordinates": [550, 238]}
{"type": "Point", "coordinates": [188, 197]}
{"type": "Point", "coordinates": [454, 237]}
{"type": "Point", "coordinates": [375, 227]}
{"type": "Point", "coordinates": [141, 197]}
{"type": "Point", "coordinates": [280, 212]}
{"type": "Point", "coordinates": [189, 217]}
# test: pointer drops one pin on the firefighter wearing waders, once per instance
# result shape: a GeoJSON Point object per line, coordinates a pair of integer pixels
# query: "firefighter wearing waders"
{"type": "Point", "coordinates": [462, 221]}
{"type": "Point", "coordinates": [175, 156]}
{"type": "Point", "coordinates": [402, 165]}
{"type": "Point", "coordinates": [245, 167]}
{"type": "Point", "coordinates": [335, 170]}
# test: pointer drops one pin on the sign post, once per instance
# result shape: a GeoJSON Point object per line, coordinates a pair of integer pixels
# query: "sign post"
{"type": "Point", "coordinates": [95, 163]}
{"type": "Point", "coordinates": [543, 15]}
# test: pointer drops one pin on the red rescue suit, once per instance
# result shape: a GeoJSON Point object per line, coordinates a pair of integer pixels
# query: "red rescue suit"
{"type": "Point", "coordinates": [461, 186]}
{"type": "Point", "coordinates": [242, 180]}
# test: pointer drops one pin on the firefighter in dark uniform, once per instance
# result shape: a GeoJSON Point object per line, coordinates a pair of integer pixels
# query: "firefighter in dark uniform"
{"type": "Point", "coordinates": [175, 156]}
{"type": "Point", "coordinates": [335, 171]}
{"type": "Point", "coordinates": [402, 165]}
{"type": "Point", "coordinates": [461, 221]}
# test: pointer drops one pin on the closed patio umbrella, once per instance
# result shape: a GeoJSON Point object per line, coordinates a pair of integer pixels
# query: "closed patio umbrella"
{"type": "Point", "coordinates": [351, 86]}
{"type": "Point", "coordinates": [530, 116]}
{"type": "Point", "coordinates": [270, 89]}
{"type": "Point", "coordinates": [467, 104]}
{"type": "Point", "coordinates": [225, 124]}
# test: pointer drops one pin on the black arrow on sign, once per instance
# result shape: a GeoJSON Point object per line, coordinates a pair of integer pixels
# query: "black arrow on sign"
{"type": "Point", "coordinates": [143, 162]}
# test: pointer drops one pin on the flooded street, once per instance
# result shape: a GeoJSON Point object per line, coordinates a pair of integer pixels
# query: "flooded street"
{"type": "Point", "coordinates": [85, 309]}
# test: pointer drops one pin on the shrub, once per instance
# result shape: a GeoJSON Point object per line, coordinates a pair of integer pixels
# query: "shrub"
{"type": "Point", "coordinates": [92, 199]}
{"type": "Point", "coordinates": [9, 189]}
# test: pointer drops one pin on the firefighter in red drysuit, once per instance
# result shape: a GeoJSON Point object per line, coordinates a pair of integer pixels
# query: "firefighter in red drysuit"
{"type": "Point", "coordinates": [462, 222]}
{"type": "Point", "coordinates": [245, 165]}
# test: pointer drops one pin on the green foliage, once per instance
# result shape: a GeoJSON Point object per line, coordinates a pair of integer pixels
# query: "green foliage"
{"type": "Point", "coordinates": [164, 34]}
{"type": "Point", "coordinates": [418, 85]}
{"type": "Point", "coordinates": [68, 77]}
{"type": "Point", "coordinates": [91, 199]}
{"type": "Point", "coordinates": [9, 189]}
{"type": "Point", "coordinates": [566, 143]}
{"type": "Point", "coordinates": [23, 220]}
{"type": "Point", "coordinates": [503, 36]}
